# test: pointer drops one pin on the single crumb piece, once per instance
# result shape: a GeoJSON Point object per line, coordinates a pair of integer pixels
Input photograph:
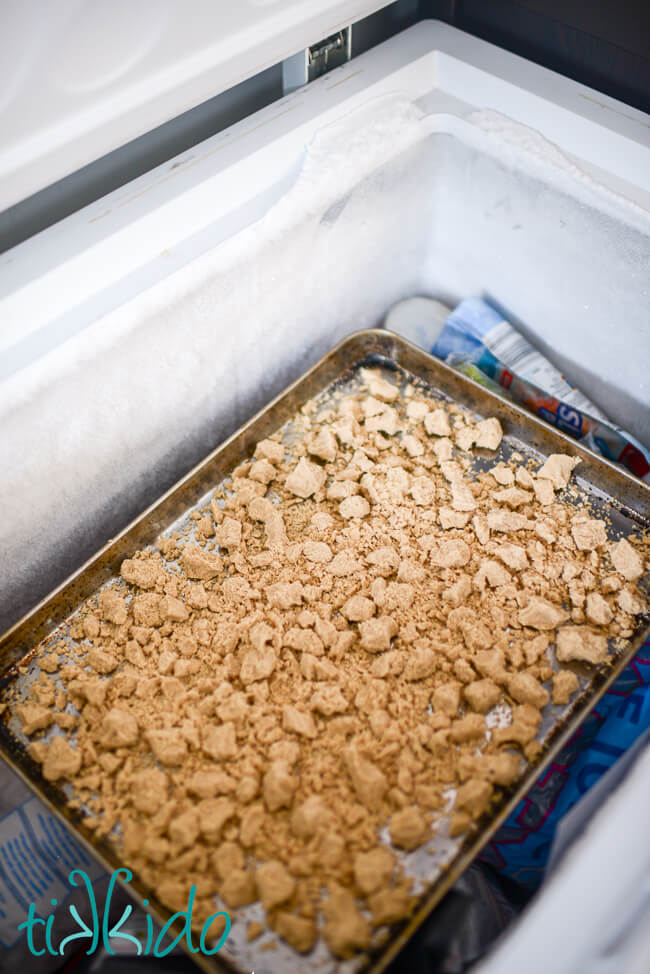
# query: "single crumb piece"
{"type": "Point", "coordinates": [184, 829]}
{"type": "Point", "coordinates": [199, 564]}
{"type": "Point", "coordinates": [379, 387]}
{"type": "Point", "coordinates": [474, 797]}
{"type": "Point", "coordinates": [112, 607]}
{"type": "Point", "coordinates": [436, 423]}
{"type": "Point", "coordinates": [501, 769]}
{"type": "Point", "coordinates": [408, 828]}
{"type": "Point", "coordinates": [450, 518]}
{"type": "Point", "coordinates": [581, 643]}
{"type": "Point", "coordinates": [493, 573]}
{"type": "Point", "coordinates": [451, 470]}
{"type": "Point", "coordinates": [468, 728]}
{"type": "Point", "coordinates": [238, 889]}
{"type": "Point", "coordinates": [229, 533]}
{"type": "Point", "coordinates": [451, 554]}
{"type": "Point", "coordinates": [299, 722]}
{"type": "Point", "coordinates": [322, 521]}
{"type": "Point", "coordinates": [101, 661]}
{"type": "Point", "coordinates": [466, 437]}
{"type": "Point", "coordinates": [355, 506]}
{"type": "Point", "coordinates": [558, 469]}
{"type": "Point", "coordinates": [142, 574]}
{"type": "Point", "coordinates": [462, 497]}
{"type": "Point", "coordinates": [323, 445]}
{"type": "Point", "coordinates": [589, 534]}
{"type": "Point", "coordinates": [413, 446]}
{"type": "Point", "coordinates": [443, 449]}
{"type": "Point", "coordinates": [358, 609]}
{"type": "Point", "coordinates": [213, 815]}
{"type": "Point", "coordinates": [524, 688]}
{"type": "Point", "coordinates": [446, 698]}
{"type": "Point", "coordinates": [33, 717]}
{"type": "Point", "coordinates": [540, 614]}
{"type": "Point", "coordinates": [310, 817]}
{"type": "Point", "coordinates": [491, 663]}
{"type": "Point", "coordinates": [544, 492]}
{"type": "Point", "coordinates": [423, 491]}
{"type": "Point", "coordinates": [460, 823]}
{"type": "Point", "coordinates": [489, 434]}
{"type": "Point", "coordinates": [420, 664]}
{"type": "Point", "coordinates": [373, 870]}
{"type": "Point", "coordinates": [279, 786]}
{"type": "Point", "coordinates": [524, 478]}
{"type": "Point", "coordinates": [269, 450]}
{"type": "Point", "coordinates": [481, 528]}
{"type": "Point", "coordinates": [525, 724]}
{"type": "Point", "coordinates": [258, 663]}
{"type": "Point", "coordinates": [369, 782]}
{"type": "Point", "coordinates": [305, 479]}
{"type": "Point", "coordinates": [119, 729]}
{"type": "Point", "coordinates": [342, 564]}
{"type": "Point", "coordinates": [390, 905]}
{"type": "Point", "coordinates": [503, 475]}
{"type": "Point", "coordinates": [149, 791]}
{"type": "Point", "coordinates": [317, 551]}
{"type": "Point", "coordinates": [328, 700]}
{"type": "Point", "coordinates": [512, 496]}
{"type": "Point", "coordinates": [384, 560]}
{"type": "Point", "coordinates": [386, 422]}
{"type": "Point", "coordinates": [482, 695]}
{"type": "Point", "coordinates": [298, 931]}
{"type": "Point", "coordinates": [417, 410]}
{"type": "Point", "coordinates": [346, 930]}
{"type": "Point", "coordinates": [458, 592]}
{"type": "Point", "coordinates": [61, 760]}
{"type": "Point", "coordinates": [512, 555]}
{"type": "Point", "coordinates": [376, 634]}
{"type": "Point", "coordinates": [597, 610]}
{"type": "Point", "coordinates": [168, 746]}
{"type": "Point", "coordinates": [629, 602]}
{"type": "Point", "coordinates": [565, 683]}
{"type": "Point", "coordinates": [507, 521]}
{"type": "Point", "coordinates": [274, 883]}
{"type": "Point", "coordinates": [626, 560]}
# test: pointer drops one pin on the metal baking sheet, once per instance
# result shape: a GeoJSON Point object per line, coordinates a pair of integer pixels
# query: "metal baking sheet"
{"type": "Point", "coordinates": [624, 500]}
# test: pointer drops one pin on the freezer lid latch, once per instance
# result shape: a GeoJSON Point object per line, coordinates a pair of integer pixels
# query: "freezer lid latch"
{"type": "Point", "coordinates": [318, 59]}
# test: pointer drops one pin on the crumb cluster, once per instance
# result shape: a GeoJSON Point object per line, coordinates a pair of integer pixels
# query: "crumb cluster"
{"type": "Point", "coordinates": [274, 709]}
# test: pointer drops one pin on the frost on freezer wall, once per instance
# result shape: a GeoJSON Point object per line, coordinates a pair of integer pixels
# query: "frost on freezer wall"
{"type": "Point", "coordinates": [573, 278]}
{"type": "Point", "coordinates": [389, 202]}
{"type": "Point", "coordinates": [95, 430]}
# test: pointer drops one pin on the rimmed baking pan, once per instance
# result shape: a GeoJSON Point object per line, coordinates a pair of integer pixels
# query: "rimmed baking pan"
{"type": "Point", "coordinates": [608, 490]}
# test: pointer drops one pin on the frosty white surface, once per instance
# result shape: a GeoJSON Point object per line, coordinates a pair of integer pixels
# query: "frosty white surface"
{"type": "Point", "coordinates": [382, 189]}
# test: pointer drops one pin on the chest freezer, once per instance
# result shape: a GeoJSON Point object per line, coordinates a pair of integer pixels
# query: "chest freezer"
{"type": "Point", "coordinates": [140, 331]}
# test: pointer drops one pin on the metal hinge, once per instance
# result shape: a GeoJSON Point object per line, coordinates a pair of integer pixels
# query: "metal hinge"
{"type": "Point", "coordinates": [316, 60]}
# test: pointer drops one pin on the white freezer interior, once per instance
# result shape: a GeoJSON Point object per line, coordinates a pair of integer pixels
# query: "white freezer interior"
{"type": "Point", "coordinates": [138, 333]}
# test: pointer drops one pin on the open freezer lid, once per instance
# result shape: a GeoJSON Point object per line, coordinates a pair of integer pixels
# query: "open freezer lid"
{"type": "Point", "coordinates": [79, 79]}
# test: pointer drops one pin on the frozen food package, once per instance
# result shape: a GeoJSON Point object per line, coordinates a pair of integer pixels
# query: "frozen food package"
{"type": "Point", "coordinates": [476, 339]}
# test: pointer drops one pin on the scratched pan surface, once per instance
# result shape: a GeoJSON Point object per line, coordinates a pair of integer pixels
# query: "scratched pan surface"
{"type": "Point", "coordinates": [612, 493]}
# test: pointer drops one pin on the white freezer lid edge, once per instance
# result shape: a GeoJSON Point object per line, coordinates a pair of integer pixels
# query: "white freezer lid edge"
{"type": "Point", "coordinates": [92, 255]}
{"type": "Point", "coordinates": [78, 80]}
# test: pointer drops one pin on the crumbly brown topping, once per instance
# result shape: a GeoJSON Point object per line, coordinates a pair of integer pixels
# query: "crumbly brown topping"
{"type": "Point", "coordinates": [249, 709]}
